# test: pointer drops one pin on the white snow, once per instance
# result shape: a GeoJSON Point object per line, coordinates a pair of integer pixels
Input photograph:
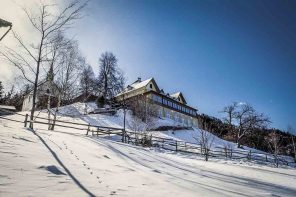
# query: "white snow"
{"type": "Point", "coordinates": [66, 162]}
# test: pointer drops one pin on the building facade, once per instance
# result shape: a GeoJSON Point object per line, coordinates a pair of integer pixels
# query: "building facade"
{"type": "Point", "coordinates": [173, 106]}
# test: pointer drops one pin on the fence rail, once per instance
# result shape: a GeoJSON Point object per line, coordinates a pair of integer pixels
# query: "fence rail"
{"type": "Point", "coordinates": [144, 139]}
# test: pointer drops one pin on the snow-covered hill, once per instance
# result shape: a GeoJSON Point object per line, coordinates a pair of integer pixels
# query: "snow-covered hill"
{"type": "Point", "coordinates": [77, 111]}
{"type": "Point", "coordinates": [66, 162]}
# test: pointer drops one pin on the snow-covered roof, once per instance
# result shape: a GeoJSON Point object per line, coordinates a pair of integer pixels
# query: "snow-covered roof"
{"type": "Point", "coordinates": [175, 95]}
{"type": "Point", "coordinates": [136, 85]}
{"type": "Point", "coordinates": [178, 95]}
{"type": "Point", "coordinates": [139, 84]}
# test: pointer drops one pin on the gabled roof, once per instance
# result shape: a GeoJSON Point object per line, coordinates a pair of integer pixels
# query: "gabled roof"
{"type": "Point", "coordinates": [178, 95]}
{"type": "Point", "coordinates": [139, 84]}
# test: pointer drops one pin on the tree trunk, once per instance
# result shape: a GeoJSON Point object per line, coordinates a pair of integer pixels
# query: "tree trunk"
{"type": "Point", "coordinates": [105, 87]}
{"type": "Point", "coordinates": [36, 82]}
{"type": "Point", "coordinates": [55, 114]}
{"type": "Point", "coordinates": [34, 97]}
{"type": "Point", "coordinates": [48, 109]}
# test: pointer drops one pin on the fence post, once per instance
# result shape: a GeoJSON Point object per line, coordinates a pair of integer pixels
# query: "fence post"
{"type": "Point", "coordinates": [225, 151]}
{"type": "Point", "coordinates": [26, 119]}
{"type": "Point", "coordinates": [176, 145]}
{"type": "Point", "coordinates": [266, 158]}
{"type": "Point", "coordinates": [230, 153]}
{"type": "Point", "coordinates": [122, 135]}
{"type": "Point", "coordinates": [162, 145]}
{"type": "Point", "coordinates": [250, 155]}
{"type": "Point", "coordinates": [88, 129]}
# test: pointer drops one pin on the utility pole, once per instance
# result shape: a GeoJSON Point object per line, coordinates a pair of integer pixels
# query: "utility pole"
{"type": "Point", "coordinates": [124, 113]}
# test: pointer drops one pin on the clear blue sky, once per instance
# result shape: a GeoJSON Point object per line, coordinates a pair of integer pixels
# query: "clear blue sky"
{"type": "Point", "coordinates": [215, 52]}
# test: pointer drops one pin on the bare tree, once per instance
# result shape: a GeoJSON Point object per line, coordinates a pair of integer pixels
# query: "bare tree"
{"type": "Point", "coordinates": [243, 119]}
{"type": "Point", "coordinates": [144, 109]}
{"type": "Point", "coordinates": [70, 68]}
{"type": "Point", "coordinates": [291, 131]}
{"type": "Point", "coordinates": [205, 140]}
{"type": "Point", "coordinates": [69, 64]}
{"type": "Point", "coordinates": [57, 47]}
{"type": "Point", "coordinates": [274, 142]}
{"type": "Point", "coordinates": [87, 84]}
{"type": "Point", "coordinates": [230, 112]}
{"type": "Point", "coordinates": [111, 80]}
{"type": "Point", "coordinates": [30, 59]}
{"type": "Point", "coordinates": [87, 81]}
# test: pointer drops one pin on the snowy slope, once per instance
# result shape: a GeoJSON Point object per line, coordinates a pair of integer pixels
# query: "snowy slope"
{"type": "Point", "coordinates": [191, 136]}
{"type": "Point", "coordinates": [65, 162]}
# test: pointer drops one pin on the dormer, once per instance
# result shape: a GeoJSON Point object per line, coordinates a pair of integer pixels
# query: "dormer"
{"type": "Point", "coordinates": [151, 85]}
{"type": "Point", "coordinates": [179, 97]}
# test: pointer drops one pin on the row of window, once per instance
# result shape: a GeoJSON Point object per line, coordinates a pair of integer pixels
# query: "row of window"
{"type": "Point", "coordinates": [174, 105]}
{"type": "Point", "coordinates": [177, 118]}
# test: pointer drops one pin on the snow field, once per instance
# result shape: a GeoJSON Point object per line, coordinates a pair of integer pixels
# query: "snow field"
{"type": "Point", "coordinates": [65, 162]}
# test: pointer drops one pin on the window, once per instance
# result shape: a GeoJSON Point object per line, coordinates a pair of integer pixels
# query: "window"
{"type": "Point", "coordinates": [151, 86]}
{"type": "Point", "coordinates": [160, 114]}
{"type": "Point", "coordinates": [174, 105]}
{"type": "Point", "coordinates": [179, 107]}
{"type": "Point", "coordinates": [155, 98]}
{"type": "Point", "coordinates": [165, 102]}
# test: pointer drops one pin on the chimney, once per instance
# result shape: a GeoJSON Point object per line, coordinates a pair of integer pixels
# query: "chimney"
{"type": "Point", "coordinates": [139, 79]}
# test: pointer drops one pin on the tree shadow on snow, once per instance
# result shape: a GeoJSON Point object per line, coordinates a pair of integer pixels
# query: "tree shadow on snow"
{"type": "Point", "coordinates": [63, 166]}
{"type": "Point", "coordinates": [53, 169]}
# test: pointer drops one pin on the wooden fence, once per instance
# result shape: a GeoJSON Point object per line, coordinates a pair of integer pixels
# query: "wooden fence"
{"type": "Point", "coordinates": [145, 139]}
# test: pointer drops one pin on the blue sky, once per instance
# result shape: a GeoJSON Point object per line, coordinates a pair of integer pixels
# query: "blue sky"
{"type": "Point", "coordinates": [215, 52]}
